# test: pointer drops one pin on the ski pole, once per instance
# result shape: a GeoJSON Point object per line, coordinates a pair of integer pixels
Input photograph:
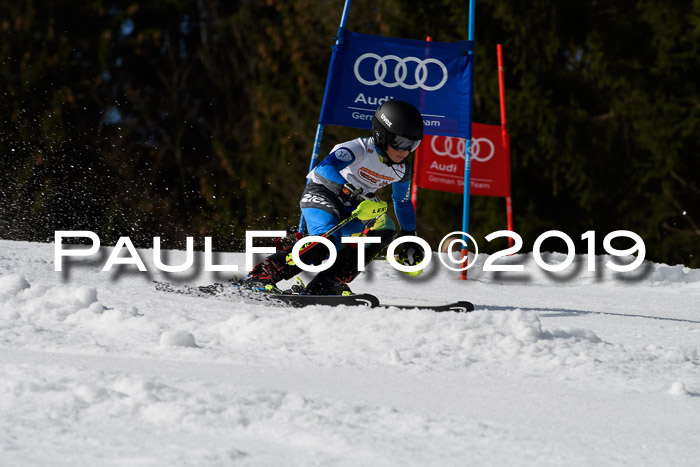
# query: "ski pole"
{"type": "Point", "coordinates": [367, 210]}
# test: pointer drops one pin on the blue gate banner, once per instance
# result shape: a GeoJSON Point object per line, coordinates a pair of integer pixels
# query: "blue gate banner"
{"type": "Point", "coordinates": [368, 70]}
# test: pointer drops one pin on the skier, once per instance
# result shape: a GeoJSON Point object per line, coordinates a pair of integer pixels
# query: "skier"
{"type": "Point", "coordinates": [351, 173]}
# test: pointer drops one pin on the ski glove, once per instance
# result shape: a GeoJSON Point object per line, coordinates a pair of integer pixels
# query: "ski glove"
{"type": "Point", "coordinates": [370, 209]}
{"type": "Point", "coordinates": [351, 195]}
{"type": "Point", "coordinates": [410, 253]}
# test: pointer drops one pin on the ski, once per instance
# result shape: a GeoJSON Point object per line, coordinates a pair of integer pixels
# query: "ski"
{"type": "Point", "coordinates": [456, 307]}
{"type": "Point", "coordinates": [296, 300]}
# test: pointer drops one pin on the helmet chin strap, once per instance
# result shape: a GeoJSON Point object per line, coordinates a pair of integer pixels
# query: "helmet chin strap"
{"type": "Point", "coordinates": [382, 157]}
{"type": "Point", "coordinates": [385, 158]}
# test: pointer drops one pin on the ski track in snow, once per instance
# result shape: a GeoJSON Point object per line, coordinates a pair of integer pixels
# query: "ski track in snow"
{"type": "Point", "coordinates": [581, 368]}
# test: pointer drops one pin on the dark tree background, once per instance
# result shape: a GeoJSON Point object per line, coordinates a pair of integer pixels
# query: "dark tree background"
{"type": "Point", "coordinates": [197, 117]}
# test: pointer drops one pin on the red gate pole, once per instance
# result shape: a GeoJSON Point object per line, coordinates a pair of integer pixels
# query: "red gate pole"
{"type": "Point", "coordinates": [505, 136]}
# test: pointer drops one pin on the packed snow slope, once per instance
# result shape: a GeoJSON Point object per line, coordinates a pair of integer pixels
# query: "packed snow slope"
{"type": "Point", "coordinates": [573, 368]}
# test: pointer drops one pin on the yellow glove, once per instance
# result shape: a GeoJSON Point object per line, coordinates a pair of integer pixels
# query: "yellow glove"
{"type": "Point", "coordinates": [369, 209]}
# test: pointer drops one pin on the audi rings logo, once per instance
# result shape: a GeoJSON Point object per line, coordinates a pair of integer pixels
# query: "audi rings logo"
{"type": "Point", "coordinates": [456, 147]}
{"type": "Point", "coordinates": [477, 148]}
{"type": "Point", "coordinates": [401, 78]}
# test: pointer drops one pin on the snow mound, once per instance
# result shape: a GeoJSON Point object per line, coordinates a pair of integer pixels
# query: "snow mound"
{"type": "Point", "coordinates": [177, 339]}
{"type": "Point", "coordinates": [679, 274]}
{"type": "Point", "coordinates": [41, 305]}
{"type": "Point", "coordinates": [417, 339]}
{"type": "Point", "coordinates": [12, 285]}
{"type": "Point", "coordinates": [577, 272]}
{"type": "Point", "coordinates": [53, 317]}
{"type": "Point", "coordinates": [678, 389]}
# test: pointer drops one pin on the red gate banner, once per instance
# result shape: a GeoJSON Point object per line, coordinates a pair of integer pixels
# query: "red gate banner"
{"type": "Point", "coordinates": [440, 163]}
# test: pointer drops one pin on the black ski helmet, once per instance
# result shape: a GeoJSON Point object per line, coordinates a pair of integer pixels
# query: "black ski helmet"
{"type": "Point", "coordinates": [397, 124]}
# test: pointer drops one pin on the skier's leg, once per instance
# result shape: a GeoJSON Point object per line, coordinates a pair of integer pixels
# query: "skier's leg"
{"type": "Point", "coordinates": [319, 221]}
{"type": "Point", "coordinates": [384, 228]}
{"type": "Point", "coordinates": [334, 280]}
{"type": "Point", "coordinates": [272, 269]}
{"type": "Point", "coordinates": [280, 266]}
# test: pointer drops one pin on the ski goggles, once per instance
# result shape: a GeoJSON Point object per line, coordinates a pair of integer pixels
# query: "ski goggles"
{"type": "Point", "coordinates": [401, 143]}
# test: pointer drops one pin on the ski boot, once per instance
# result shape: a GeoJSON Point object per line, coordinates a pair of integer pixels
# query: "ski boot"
{"type": "Point", "coordinates": [334, 280]}
{"type": "Point", "coordinates": [265, 275]}
{"type": "Point", "coordinates": [326, 284]}
{"type": "Point", "coordinates": [277, 267]}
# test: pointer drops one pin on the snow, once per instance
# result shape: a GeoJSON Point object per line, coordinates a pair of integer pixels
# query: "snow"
{"type": "Point", "coordinates": [572, 368]}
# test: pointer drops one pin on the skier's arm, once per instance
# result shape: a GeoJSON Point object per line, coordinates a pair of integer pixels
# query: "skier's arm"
{"type": "Point", "coordinates": [330, 167]}
{"type": "Point", "coordinates": [403, 207]}
{"type": "Point", "coordinates": [410, 253]}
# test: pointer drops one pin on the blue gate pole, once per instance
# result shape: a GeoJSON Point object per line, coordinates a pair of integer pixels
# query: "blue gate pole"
{"type": "Point", "coordinates": [468, 151]}
{"type": "Point", "coordinates": [319, 129]}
